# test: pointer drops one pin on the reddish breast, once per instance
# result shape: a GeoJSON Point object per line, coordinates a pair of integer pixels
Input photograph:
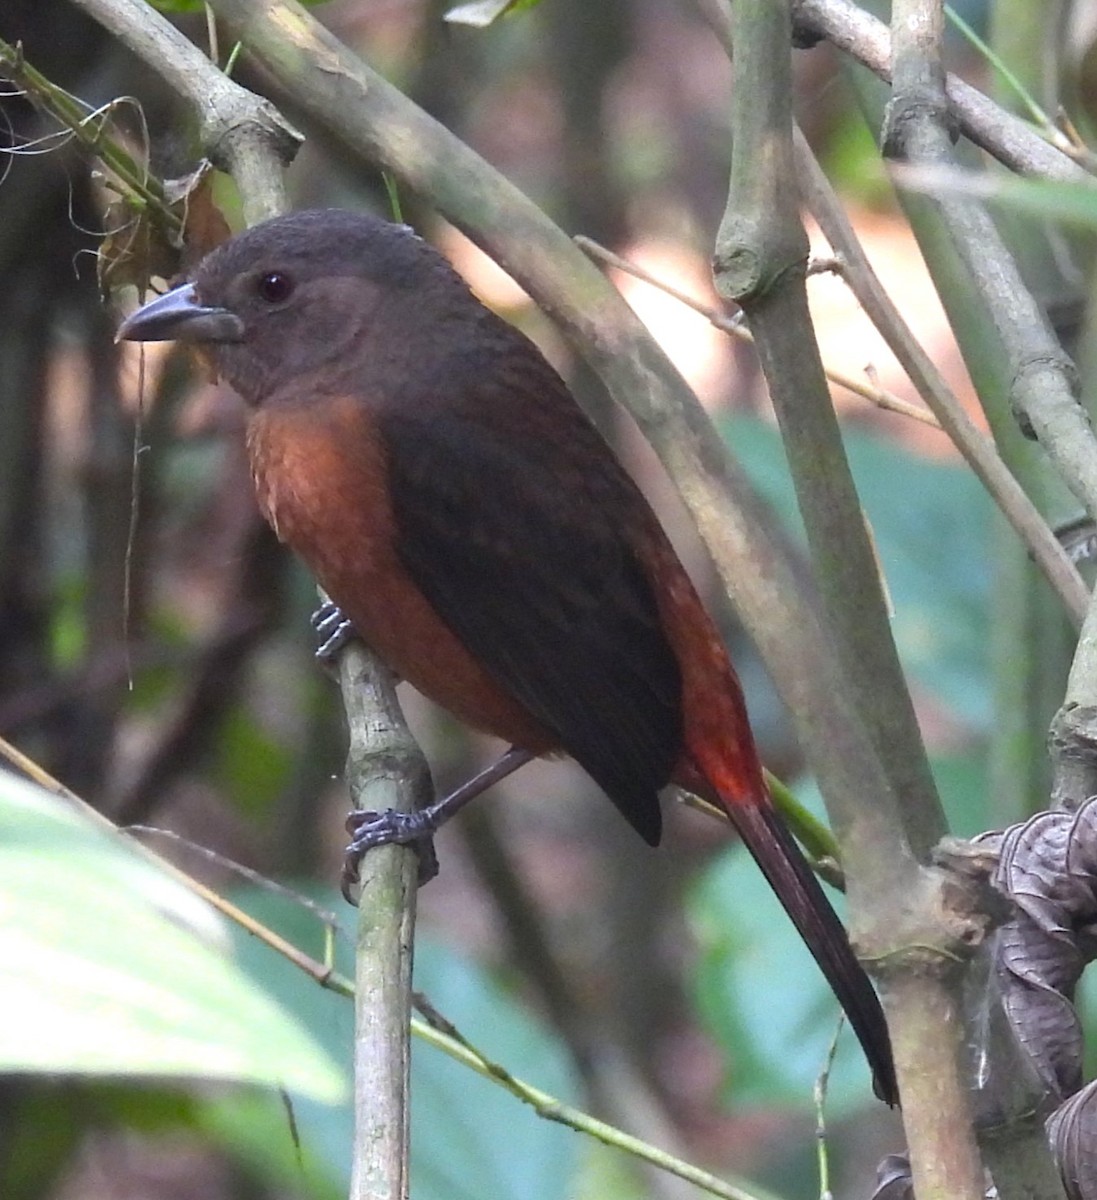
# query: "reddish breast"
{"type": "Point", "coordinates": [320, 479]}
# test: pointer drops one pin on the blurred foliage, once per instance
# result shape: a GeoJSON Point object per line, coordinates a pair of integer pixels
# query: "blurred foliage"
{"type": "Point", "coordinates": [761, 996]}
{"type": "Point", "coordinates": [1071, 204]}
{"type": "Point", "coordinates": [147, 991]}
{"type": "Point", "coordinates": [930, 524]}
{"type": "Point", "coordinates": [457, 1117]}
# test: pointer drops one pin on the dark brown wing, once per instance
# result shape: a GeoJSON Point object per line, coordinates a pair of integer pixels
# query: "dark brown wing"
{"type": "Point", "coordinates": [519, 526]}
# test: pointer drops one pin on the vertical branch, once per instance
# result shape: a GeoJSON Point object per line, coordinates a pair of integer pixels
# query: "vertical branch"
{"type": "Point", "coordinates": [1031, 645]}
{"type": "Point", "coordinates": [919, 127]}
{"type": "Point", "coordinates": [1043, 382]}
{"type": "Point", "coordinates": [760, 262]}
{"type": "Point", "coordinates": [761, 253]}
{"type": "Point", "coordinates": [384, 770]}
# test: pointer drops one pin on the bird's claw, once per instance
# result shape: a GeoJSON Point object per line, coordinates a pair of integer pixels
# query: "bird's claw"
{"type": "Point", "coordinates": [334, 631]}
{"type": "Point", "coordinates": [369, 830]}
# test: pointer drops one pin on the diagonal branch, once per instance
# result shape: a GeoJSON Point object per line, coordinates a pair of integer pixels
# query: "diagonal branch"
{"type": "Point", "coordinates": [975, 446]}
{"type": "Point", "coordinates": [240, 132]}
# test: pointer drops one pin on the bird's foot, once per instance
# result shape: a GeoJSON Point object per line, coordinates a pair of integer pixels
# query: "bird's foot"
{"type": "Point", "coordinates": [371, 829]}
{"type": "Point", "coordinates": [333, 630]}
{"type": "Point", "coordinates": [368, 830]}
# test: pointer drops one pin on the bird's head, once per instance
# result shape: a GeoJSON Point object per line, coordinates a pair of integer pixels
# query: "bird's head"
{"type": "Point", "coordinates": [305, 294]}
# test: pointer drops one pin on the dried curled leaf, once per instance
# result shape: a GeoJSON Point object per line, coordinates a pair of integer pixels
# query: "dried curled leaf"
{"type": "Point", "coordinates": [893, 1179]}
{"type": "Point", "coordinates": [137, 250]}
{"type": "Point", "coordinates": [1047, 867]}
{"type": "Point", "coordinates": [204, 225]}
{"type": "Point", "coordinates": [1079, 539]}
{"type": "Point", "coordinates": [144, 247]}
{"type": "Point", "coordinates": [1070, 1131]}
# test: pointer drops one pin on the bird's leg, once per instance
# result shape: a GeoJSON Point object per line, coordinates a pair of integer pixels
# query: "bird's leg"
{"type": "Point", "coordinates": [334, 631]}
{"type": "Point", "coordinates": [370, 829]}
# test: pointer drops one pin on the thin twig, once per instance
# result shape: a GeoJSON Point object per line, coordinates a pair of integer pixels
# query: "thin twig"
{"type": "Point", "coordinates": [385, 771]}
{"type": "Point", "coordinates": [822, 1085]}
{"type": "Point", "coordinates": [737, 329]}
{"type": "Point", "coordinates": [322, 973]}
{"type": "Point", "coordinates": [976, 447]}
{"type": "Point", "coordinates": [214, 682]}
{"type": "Point", "coordinates": [564, 1114]}
{"type": "Point", "coordinates": [1051, 132]}
{"type": "Point", "coordinates": [89, 127]}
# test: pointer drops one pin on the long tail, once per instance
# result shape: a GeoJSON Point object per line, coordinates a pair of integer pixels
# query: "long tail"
{"type": "Point", "coordinates": [720, 762]}
{"type": "Point", "coordinates": [784, 866]}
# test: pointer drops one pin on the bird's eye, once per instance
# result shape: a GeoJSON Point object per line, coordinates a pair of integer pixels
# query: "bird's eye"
{"type": "Point", "coordinates": [274, 287]}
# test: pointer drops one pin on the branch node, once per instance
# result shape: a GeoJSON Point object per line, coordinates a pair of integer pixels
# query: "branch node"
{"type": "Point", "coordinates": [905, 115]}
{"type": "Point", "coordinates": [950, 912]}
{"type": "Point", "coordinates": [1072, 744]}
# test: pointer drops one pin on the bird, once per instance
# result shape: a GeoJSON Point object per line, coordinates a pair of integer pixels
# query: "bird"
{"type": "Point", "coordinates": [473, 527]}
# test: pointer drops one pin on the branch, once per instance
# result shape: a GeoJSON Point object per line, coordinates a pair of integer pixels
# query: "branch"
{"type": "Point", "coordinates": [385, 770]}
{"type": "Point", "coordinates": [1073, 740]}
{"type": "Point", "coordinates": [88, 127]}
{"type": "Point", "coordinates": [918, 128]}
{"type": "Point", "coordinates": [918, 921]}
{"type": "Point", "coordinates": [977, 449]}
{"type": "Point", "coordinates": [240, 132]}
{"type": "Point", "coordinates": [761, 252]}
{"type": "Point", "coordinates": [734, 327]}
{"type": "Point", "coordinates": [1010, 140]}
{"type": "Point", "coordinates": [1044, 385]}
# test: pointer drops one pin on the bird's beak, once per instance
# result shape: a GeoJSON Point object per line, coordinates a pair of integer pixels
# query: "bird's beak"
{"type": "Point", "coordinates": [178, 316]}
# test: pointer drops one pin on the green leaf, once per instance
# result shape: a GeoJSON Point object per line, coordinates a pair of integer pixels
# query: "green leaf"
{"type": "Point", "coordinates": [481, 13]}
{"type": "Point", "coordinates": [853, 163]}
{"type": "Point", "coordinates": [457, 1116]}
{"type": "Point", "coordinates": [110, 966]}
